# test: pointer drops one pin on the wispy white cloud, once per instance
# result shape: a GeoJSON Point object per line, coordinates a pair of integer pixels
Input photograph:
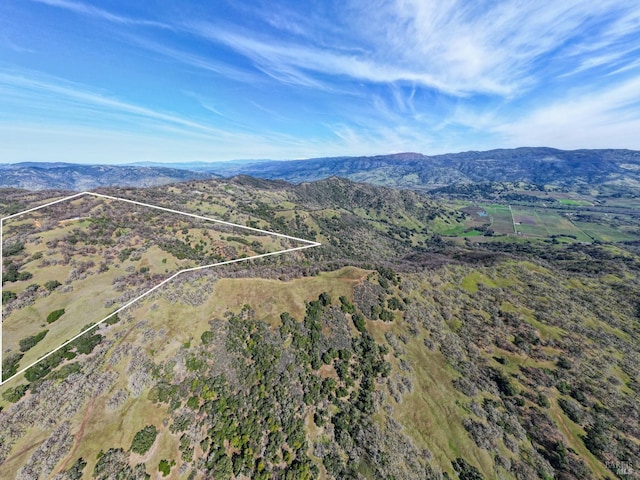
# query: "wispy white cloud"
{"type": "Point", "coordinates": [271, 112]}
{"type": "Point", "coordinates": [497, 47]}
{"type": "Point", "coordinates": [457, 47]}
{"type": "Point", "coordinates": [588, 63]}
{"type": "Point", "coordinates": [295, 63]}
{"type": "Point", "coordinates": [35, 88]}
{"type": "Point", "coordinates": [631, 65]}
{"type": "Point", "coordinates": [380, 138]}
{"type": "Point", "coordinates": [605, 119]}
{"type": "Point", "coordinates": [90, 10]}
{"type": "Point", "coordinates": [30, 99]}
{"type": "Point", "coordinates": [9, 43]}
{"type": "Point", "coordinates": [198, 61]}
{"type": "Point", "coordinates": [62, 120]}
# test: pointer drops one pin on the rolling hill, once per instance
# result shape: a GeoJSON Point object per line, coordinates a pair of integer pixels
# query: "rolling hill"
{"type": "Point", "coordinates": [68, 176]}
{"type": "Point", "coordinates": [388, 352]}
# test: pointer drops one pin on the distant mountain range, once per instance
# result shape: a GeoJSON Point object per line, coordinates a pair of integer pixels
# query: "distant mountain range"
{"type": "Point", "coordinates": [540, 166]}
{"type": "Point", "coordinates": [226, 165]}
{"type": "Point", "coordinates": [68, 176]}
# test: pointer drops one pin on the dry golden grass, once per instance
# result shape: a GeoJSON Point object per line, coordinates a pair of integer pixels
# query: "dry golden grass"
{"type": "Point", "coordinates": [431, 415]}
{"type": "Point", "coordinates": [269, 298]}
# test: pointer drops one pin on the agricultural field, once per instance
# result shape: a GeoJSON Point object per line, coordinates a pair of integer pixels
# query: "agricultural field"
{"type": "Point", "coordinates": [73, 264]}
{"type": "Point", "coordinates": [605, 233]}
{"type": "Point", "coordinates": [500, 219]}
{"type": "Point", "coordinates": [479, 220]}
{"type": "Point", "coordinates": [558, 217]}
{"type": "Point", "coordinates": [545, 223]}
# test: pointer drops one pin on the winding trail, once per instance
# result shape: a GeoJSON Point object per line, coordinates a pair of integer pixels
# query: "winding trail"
{"type": "Point", "coordinates": [23, 451]}
{"type": "Point", "coordinates": [78, 436]}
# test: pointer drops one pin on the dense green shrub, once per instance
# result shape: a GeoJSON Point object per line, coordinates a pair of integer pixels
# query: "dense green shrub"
{"type": "Point", "coordinates": [144, 439]}
{"type": "Point", "coordinates": [8, 296]}
{"type": "Point", "coordinates": [83, 344]}
{"type": "Point", "coordinates": [13, 249]}
{"type": "Point", "coordinates": [124, 254]}
{"type": "Point", "coordinates": [346, 306]}
{"type": "Point", "coordinates": [571, 409]}
{"type": "Point", "coordinates": [75, 471]}
{"type": "Point", "coordinates": [207, 337]}
{"type": "Point", "coordinates": [597, 439]}
{"type": "Point", "coordinates": [504, 383]}
{"type": "Point", "coordinates": [55, 315]}
{"type": "Point", "coordinates": [564, 362]}
{"type": "Point", "coordinates": [165, 467]}
{"type": "Point", "coordinates": [359, 322]}
{"type": "Point", "coordinates": [86, 343]}
{"type": "Point", "coordinates": [44, 366]}
{"type": "Point", "coordinates": [465, 470]}
{"type": "Point", "coordinates": [325, 299]}
{"type": "Point", "coordinates": [67, 370]}
{"type": "Point", "coordinates": [32, 341]}
{"type": "Point", "coordinates": [14, 394]}
{"type": "Point", "coordinates": [10, 365]}
{"type": "Point", "coordinates": [394, 303]}
{"type": "Point", "coordinates": [12, 274]}
{"type": "Point", "coordinates": [542, 400]}
{"type": "Point", "coordinates": [51, 285]}
{"type": "Point", "coordinates": [386, 315]}
{"type": "Point", "coordinates": [22, 276]}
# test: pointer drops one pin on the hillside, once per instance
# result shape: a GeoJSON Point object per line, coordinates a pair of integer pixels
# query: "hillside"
{"type": "Point", "coordinates": [107, 252]}
{"type": "Point", "coordinates": [388, 352]}
{"type": "Point", "coordinates": [539, 166]}
{"type": "Point", "coordinates": [67, 176]}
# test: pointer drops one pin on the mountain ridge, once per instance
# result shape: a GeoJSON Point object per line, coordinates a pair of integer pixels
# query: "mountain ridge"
{"type": "Point", "coordinates": [68, 176]}
{"type": "Point", "coordinates": [542, 166]}
{"type": "Point", "coordinates": [537, 165]}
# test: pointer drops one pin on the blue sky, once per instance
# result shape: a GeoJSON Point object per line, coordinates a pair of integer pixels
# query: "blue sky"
{"type": "Point", "coordinates": [114, 81]}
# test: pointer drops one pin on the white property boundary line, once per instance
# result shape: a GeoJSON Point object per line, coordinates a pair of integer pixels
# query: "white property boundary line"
{"type": "Point", "coordinates": [309, 244]}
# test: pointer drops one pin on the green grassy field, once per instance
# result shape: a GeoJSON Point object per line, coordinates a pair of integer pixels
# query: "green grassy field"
{"type": "Point", "coordinates": [574, 202]}
{"type": "Point", "coordinates": [605, 233]}
{"type": "Point", "coordinates": [470, 282]}
{"type": "Point", "coordinates": [500, 218]}
{"type": "Point", "coordinates": [434, 418]}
